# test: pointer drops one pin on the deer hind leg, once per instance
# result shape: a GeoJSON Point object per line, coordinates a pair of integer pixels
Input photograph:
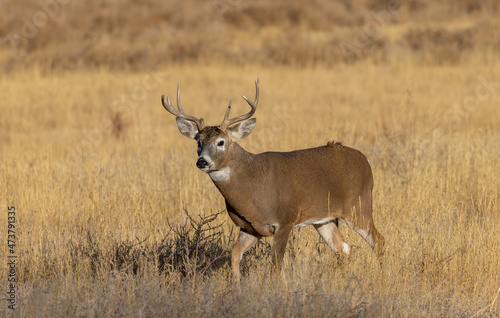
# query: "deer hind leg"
{"type": "Point", "coordinates": [331, 234]}
{"type": "Point", "coordinates": [368, 231]}
{"type": "Point", "coordinates": [243, 243]}
{"type": "Point", "coordinates": [362, 223]}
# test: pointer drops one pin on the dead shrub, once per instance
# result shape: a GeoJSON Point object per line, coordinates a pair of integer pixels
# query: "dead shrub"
{"type": "Point", "coordinates": [199, 247]}
{"type": "Point", "coordinates": [121, 256]}
{"type": "Point", "coordinates": [193, 248]}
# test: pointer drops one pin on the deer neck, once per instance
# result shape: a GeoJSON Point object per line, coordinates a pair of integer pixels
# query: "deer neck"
{"type": "Point", "coordinates": [240, 166]}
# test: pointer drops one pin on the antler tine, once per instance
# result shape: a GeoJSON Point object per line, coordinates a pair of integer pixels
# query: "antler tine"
{"type": "Point", "coordinates": [254, 103]}
{"type": "Point", "coordinates": [226, 115]}
{"type": "Point", "coordinates": [179, 97]}
{"type": "Point", "coordinates": [228, 122]}
{"type": "Point", "coordinates": [180, 112]}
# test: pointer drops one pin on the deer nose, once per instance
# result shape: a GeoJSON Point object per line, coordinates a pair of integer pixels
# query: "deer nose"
{"type": "Point", "coordinates": [201, 163]}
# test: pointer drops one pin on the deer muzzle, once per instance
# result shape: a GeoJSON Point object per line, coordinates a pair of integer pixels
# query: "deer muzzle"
{"type": "Point", "coordinates": [202, 163]}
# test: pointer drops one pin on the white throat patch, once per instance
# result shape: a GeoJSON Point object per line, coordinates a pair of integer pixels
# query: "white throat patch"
{"type": "Point", "coordinates": [220, 175]}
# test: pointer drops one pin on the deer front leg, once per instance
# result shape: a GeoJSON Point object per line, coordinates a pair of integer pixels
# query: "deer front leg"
{"type": "Point", "coordinates": [280, 241]}
{"type": "Point", "coordinates": [243, 243]}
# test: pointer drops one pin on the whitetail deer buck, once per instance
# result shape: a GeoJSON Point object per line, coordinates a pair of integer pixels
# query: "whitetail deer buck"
{"type": "Point", "coordinates": [272, 192]}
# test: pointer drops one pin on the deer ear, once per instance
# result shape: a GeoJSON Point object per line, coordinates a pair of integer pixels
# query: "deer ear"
{"type": "Point", "coordinates": [241, 130]}
{"type": "Point", "coordinates": [186, 127]}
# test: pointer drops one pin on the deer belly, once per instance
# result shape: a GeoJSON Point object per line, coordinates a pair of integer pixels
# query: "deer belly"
{"type": "Point", "coordinates": [315, 222]}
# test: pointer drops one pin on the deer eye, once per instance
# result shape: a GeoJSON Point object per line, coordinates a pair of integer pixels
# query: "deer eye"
{"type": "Point", "coordinates": [220, 143]}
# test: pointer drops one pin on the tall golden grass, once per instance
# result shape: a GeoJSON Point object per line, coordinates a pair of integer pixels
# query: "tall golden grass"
{"type": "Point", "coordinates": [114, 219]}
{"type": "Point", "coordinates": [93, 208]}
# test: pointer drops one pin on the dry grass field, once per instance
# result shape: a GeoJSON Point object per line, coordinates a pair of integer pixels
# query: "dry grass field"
{"type": "Point", "coordinates": [114, 219]}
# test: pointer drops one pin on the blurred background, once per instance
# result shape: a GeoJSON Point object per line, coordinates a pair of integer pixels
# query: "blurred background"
{"type": "Point", "coordinates": [130, 34]}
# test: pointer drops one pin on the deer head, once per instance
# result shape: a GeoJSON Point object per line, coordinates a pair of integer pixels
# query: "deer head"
{"type": "Point", "coordinates": [214, 142]}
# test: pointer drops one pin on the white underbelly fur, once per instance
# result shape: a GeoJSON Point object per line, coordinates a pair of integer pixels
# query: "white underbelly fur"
{"type": "Point", "coordinates": [315, 221]}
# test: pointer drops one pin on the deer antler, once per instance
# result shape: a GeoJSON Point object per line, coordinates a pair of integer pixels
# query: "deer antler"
{"type": "Point", "coordinates": [180, 112]}
{"type": "Point", "coordinates": [226, 122]}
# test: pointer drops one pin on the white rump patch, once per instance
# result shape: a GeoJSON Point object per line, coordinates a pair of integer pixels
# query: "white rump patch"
{"type": "Point", "coordinates": [315, 221]}
{"type": "Point", "coordinates": [220, 175]}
